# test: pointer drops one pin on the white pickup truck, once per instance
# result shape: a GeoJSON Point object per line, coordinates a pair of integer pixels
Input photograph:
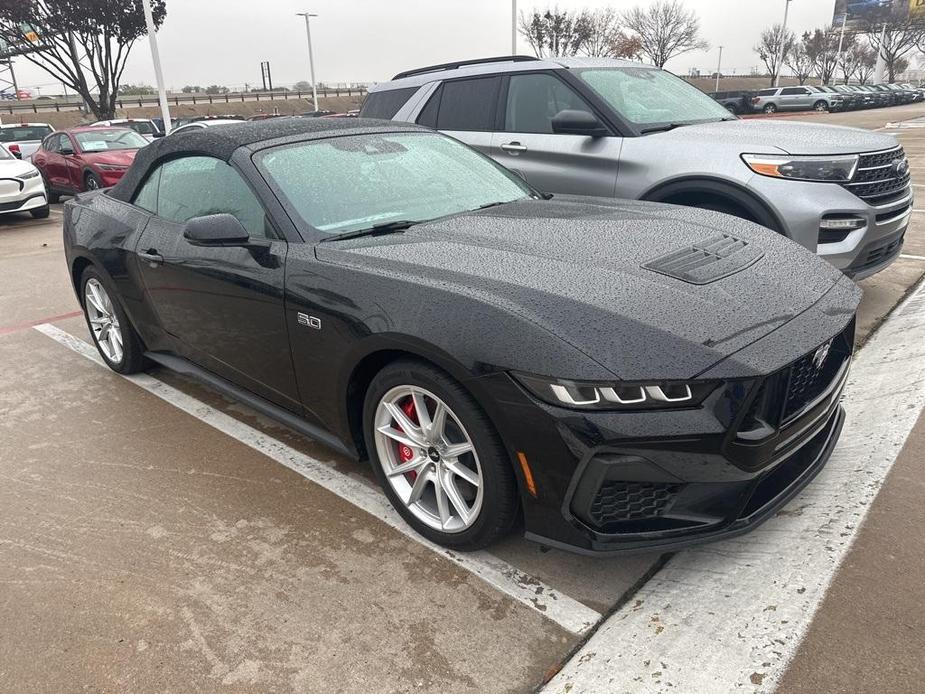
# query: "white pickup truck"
{"type": "Point", "coordinates": [22, 139]}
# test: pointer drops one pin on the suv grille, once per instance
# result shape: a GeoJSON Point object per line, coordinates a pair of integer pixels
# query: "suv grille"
{"type": "Point", "coordinates": [626, 501]}
{"type": "Point", "coordinates": [877, 181]}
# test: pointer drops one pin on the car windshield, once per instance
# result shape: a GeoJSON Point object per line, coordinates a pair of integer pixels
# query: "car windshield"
{"type": "Point", "coordinates": [345, 184]}
{"type": "Point", "coordinates": [4, 154]}
{"type": "Point", "coordinates": [100, 140]}
{"type": "Point", "coordinates": [646, 96]}
{"type": "Point", "coordinates": [142, 127]}
{"type": "Point", "coordinates": [24, 133]}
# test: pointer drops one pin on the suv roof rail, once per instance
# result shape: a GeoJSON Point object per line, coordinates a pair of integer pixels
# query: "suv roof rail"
{"type": "Point", "coordinates": [463, 63]}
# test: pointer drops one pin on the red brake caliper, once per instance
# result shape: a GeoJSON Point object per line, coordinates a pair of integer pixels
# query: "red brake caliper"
{"type": "Point", "coordinates": [405, 453]}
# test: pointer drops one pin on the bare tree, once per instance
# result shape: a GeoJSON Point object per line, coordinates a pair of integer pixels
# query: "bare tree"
{"type": "Point", "coordinates": [84, 44]}
{"type": "Point", "coordinates": [769, 48]}
{"type": "Point", "coordinates": [553, 32]}
{"type": "Point", "coordinates": [894, 36]}
{"type": "Point", "coordinates": [603, 36]}
{"type": "Point", "coordinates": [851, 56]}
{"type": "Point", "coordinates": [821, 46]}
{"type": "Point", "coordinates": [665, 30]}
{"type": "Point", "coordinates": [866, 64]}
{"type": "Point", "coordinates": [799, 60]}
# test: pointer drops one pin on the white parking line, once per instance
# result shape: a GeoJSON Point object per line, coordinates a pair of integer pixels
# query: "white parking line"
{"type": "Point", "coordinates": [907, 256]}
{"type": "Point", "coordinates": [729, 617]}
{"type": "Point", "coordinates": [524, 588]}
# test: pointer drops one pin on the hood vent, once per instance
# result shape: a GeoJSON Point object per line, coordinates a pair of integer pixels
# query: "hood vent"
{"type": "Point", "coordinates": [707, 261]}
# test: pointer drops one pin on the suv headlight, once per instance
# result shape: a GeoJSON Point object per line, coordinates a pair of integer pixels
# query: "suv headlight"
{"type": "Point", "coordinates": [29, 174]}
{"type": "Point", "coordinates": [653, 395]}
{"type": "Point", "coordinates": [834, 169]}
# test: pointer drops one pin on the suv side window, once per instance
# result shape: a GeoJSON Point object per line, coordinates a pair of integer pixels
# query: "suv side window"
{"type": "Point", "coordinates": [385, 104]}
{"type": "Point", "coordinates": [199, 186]}
{"type": "Point", "coordinates": [794, 91]}
{"type": "Point", "coordinates": [468, 104]}
{"type": "Point", "coordinates": [533, 101]}
{"type": "Point", "coordinates": [767, 92]}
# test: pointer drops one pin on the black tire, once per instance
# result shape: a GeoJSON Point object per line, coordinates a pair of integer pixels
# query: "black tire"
{"type": "Point", "coordinates": [40, 212]}
{"type": "Point", "coordinates": [820, 106]}
{"type": "Point", "coordinates": [50, 195]}
{"type": "Point", "coordinates": [499, 509]}
{"type": "Point", "coordinates": [770, 108]}
{"type": "Point", "coordinates": [92, 182]}
{"type": "Point", "coordinates": [733, 109]}
{"type": "Point", "coordinates": [133, 350]}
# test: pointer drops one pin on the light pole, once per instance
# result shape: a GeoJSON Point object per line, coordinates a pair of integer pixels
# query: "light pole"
{"type": "Point", "coordinates": [156, 58]}
{"type": "Point", "coordinates": [783, 41]}
{"type": "Point", "coordinates": [719, 66]}
{"type": "Point", "coordinates": [513, 27]}
{"type": "Point", "coordinates": [311, 59]}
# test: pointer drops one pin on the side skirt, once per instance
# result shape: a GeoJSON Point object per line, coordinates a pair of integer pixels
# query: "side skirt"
{"type": "Point", "coordinates": [264, 407]}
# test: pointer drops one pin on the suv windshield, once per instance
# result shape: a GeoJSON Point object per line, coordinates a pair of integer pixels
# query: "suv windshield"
{"type": "Point", "coordinates": [345, 184]}
{"type": "Point", "coordinates": [99, 140]}
{"type": "Point", "coordinates": [142, 127]}
{"type": "Point", "coordinates": [25, 133]}
{"type": "Point", "coordinates": [647, 96]}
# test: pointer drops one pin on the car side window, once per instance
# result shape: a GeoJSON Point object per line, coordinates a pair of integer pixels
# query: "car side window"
{"type": "Point", "coordinates": [386, 104]}
{"type": "Point", "coordinates": [66, 143]}
{"type": "Point", "coordinates": [198, 186]}
{"type": "Point", "coordinates": [794, 91]}
{"type": "Point", "coordinates": [146, 197]}
{"type": "Point", "coordinates": [468, 104]}
{"type": "Point", "coordinates": [534, 100]}
{"type": "Point", "coordinates": [51, 143]}
{"type": "Point", "coordinates": [767, 92]}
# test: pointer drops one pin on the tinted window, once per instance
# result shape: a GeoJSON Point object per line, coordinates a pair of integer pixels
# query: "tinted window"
{"type": "Point", "coordinates": [146, 197]}
{"type": "Point", "coordinates": [793, 91]}
{"type": "Point", "coordinates": [646, 96]}
{"type": "Point", "coordinates": [428, 115]}
{"type": "Point", "coordinates": [344, 184]}
{"type": "Point", "coordinates": [767, 92]}
{"type": "Point", "coordinates": [469, 104]}
{"type": "Point", "coordinates": [199, 186]}
{"type": "Point", "coordinates": [385, 104]}
{"type": "Point", "coordinates": [25, 133]}
{"type": "Point", "coordinates": [534, 100]}
{"type": "Point", "coordinates": [142, 127]}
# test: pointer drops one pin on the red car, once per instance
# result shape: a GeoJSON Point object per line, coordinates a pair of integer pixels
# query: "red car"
{"type": "Point", "coordinates": [79, 159]}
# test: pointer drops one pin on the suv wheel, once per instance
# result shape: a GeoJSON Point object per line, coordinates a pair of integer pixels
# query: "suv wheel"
{"type": "Point", "coordinates": [438, 458]}
{"type": "Point", "coordinates": [92, 182]}
{"type": "Point", "coordinates": [820, 106]}
{"type": "Point", "coordinates": [770, 108]}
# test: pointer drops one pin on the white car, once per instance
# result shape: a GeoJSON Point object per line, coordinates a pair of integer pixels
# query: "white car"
{"type": "Point", "coordinates": [144, 127]}
{"type": "Point", "coordinates": [22, 139]}
{"type": "Point", "coordinates": [202, 124]}
{"type": "Point", "coordinates": [21, 187]}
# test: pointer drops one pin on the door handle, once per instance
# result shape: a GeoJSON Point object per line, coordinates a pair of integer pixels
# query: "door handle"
{"type": "Point", "coordinates": [513, 147]}
{"type": "Point", "coordinates": [151, 256]}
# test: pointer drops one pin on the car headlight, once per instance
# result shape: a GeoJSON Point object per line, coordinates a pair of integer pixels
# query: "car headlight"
{"type": "Point", "coordinates": [653, 395]}
{"type": "Point", "coordinates": [29, 174]}
{"type": "Point", "coordinates": [833, 169]}
{"type": "Point", "coordinates": [112, 167]}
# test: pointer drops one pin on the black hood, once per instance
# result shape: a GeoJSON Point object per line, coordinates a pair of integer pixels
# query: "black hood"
{"type": "Point", "coordinates": [648, 291]}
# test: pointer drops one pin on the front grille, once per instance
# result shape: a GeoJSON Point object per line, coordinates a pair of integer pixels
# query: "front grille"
{"type": "Point", "coordinates": [876, 254]}
{"type": "Point", "coordinates": [877, 181]}
{"type": "Point", "coordinates": [628, 501]}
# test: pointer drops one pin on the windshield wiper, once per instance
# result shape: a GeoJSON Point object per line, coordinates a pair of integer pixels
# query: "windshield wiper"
{"type": "Point", "coordinates": [662, 128]}
{"type": "Point", "coordinates": [375, 230]}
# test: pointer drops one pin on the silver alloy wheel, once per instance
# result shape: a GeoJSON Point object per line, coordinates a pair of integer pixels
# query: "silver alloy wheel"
{"type": "Point", "coordinates": [820, 106]}
{"type": "Point", "coordinates": [103, 320]}
{"type": "Point", "coordinates": [428, 458]}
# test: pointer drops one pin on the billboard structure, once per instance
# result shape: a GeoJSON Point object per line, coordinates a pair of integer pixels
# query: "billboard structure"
{"type": "Point", "coordinates": [29, 42]}
{"type": "Point", "coordinates": [861, 14]}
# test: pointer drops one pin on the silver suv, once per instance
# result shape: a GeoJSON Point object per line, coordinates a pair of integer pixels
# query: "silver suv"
{"type": "Point", "coordinates": [612, 128]}
{"type": "Point", "coordinates": [795, 99]}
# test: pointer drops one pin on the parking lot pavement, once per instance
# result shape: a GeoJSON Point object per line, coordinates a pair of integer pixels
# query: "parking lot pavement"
{"type": "Point", "coordinates": [158, 537]}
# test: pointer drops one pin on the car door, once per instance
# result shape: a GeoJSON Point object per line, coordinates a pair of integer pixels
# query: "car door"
{"type": "Point", "coordinates": [72, 163]}
{"type": "Point", "coordinates": [51, 163]}
{"type": "Point", "coordinates": [796, 98]}
{"type": "Point", "coordinates": [222, 304]}
{"type": "Point", "coordinates": [465, 109]}
{"type": "Point", "coordinates": [552, 162]}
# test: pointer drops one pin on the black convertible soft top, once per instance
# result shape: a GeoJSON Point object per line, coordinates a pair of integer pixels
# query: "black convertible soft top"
{"type": "Point", "coordinates": [222, 141]}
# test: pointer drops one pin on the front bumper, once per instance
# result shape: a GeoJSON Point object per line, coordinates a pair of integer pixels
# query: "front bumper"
{"type": "Point", "coordinates": [863, 252]}
{"type": "Point", "coordinates": [613, 483]}
{"type": "Point", "coordinates": [17, 195]}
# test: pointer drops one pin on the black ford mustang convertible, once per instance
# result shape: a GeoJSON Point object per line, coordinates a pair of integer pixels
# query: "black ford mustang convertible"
{"type": "Point", "coordinates": [612, 375]}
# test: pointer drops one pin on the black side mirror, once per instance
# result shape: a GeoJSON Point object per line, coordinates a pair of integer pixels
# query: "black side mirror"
{"type": "Point", "coordinates": [158, 133]}
{"type": "Point", "coordinates": [572, 122]}
{"type": "Point", "coordinates": [216, 230]}
{"type": "Point", "coordinates": [66, 151]}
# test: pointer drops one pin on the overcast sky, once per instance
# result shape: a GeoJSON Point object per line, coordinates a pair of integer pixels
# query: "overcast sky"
{"type": "Point", "coordinates": [223, 41]}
